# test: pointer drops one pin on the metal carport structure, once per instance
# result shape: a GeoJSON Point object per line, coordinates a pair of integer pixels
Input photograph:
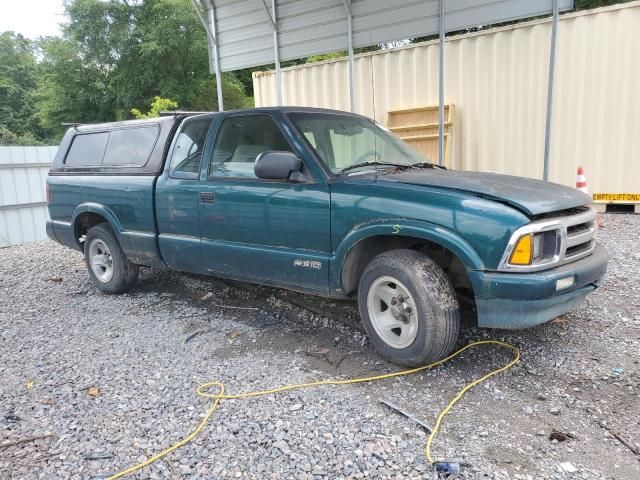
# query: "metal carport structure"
{"type": "Point", "coordinates": [248, 33]}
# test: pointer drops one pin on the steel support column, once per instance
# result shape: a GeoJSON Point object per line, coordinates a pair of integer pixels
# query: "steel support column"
{"type": "Point", "coordinates": [347, 6]}
{"type": "Point", "coordinates": [441, 86]}
{"type": "Point", "coordinates": [276, 48]}
{"type": "Point", "coordinates": [209, 24]}
{"type": "Point", "coordinates": [552, 68]}
{"type": "Point", "coordinates": [273, 18]}
{"type": "Point", "coordinates": [216, 55]}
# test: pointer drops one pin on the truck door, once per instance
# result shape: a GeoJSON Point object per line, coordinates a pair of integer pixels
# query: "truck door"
{"type": "Point", "coordinates": [275, 232]}
{"type": "Point", "coordinates": [177, 193]}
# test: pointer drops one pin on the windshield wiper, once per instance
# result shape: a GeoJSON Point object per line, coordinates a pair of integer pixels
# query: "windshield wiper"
{"type": "Point", "coordinates": [368, 164]}
{"type": "Point", "coordinates": [421, 165]}
{"type": "Point", "coordinates": [407, 166]}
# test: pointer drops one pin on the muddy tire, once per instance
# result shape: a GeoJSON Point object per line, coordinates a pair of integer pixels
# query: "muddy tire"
{"type": "Point", "coordinates": [108, 266]}
{"type": "Point", "coordinates": [408, 308]}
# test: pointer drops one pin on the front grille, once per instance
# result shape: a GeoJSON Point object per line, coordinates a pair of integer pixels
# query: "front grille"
{"type": "Point", "coordinates": [579, 236]}
{"type": "Point", "coordinates": [571, 251]}
{"type": "Point", "coordinates": [576, 229]}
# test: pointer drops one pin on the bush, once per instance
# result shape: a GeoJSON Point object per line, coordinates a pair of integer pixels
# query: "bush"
{"type": "Point", "coordinates": [159, 105]}
{"type": "Point", "coordinates": [7, 137]}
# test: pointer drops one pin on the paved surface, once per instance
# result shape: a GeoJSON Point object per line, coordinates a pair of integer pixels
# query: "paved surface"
{"type": "Point", "coordinates": [112, 379]}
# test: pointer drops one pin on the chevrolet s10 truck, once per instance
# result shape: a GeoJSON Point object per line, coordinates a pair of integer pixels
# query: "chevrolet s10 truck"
{"type": "Point", "coordinates": [329, 203]}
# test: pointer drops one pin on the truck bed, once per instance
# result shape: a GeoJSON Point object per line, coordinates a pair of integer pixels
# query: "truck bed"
{"type": "Point", "coordinates": [127, 204]}
{"type": "Point", "coordinates": [110, 170]}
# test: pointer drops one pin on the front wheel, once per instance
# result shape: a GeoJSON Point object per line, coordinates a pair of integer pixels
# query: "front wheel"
{"type": "Point", "coordinates": [409, 308]}
{"type": "Point", "coordinates": [109, 268]}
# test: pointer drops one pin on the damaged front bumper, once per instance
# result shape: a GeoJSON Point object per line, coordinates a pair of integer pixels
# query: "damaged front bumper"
{"type": "Point", "coordinates": [521, 300]}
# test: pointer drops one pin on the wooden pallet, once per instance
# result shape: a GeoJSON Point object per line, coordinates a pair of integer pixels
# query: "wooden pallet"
{"type": "Point", "coordinates": [419, 128]}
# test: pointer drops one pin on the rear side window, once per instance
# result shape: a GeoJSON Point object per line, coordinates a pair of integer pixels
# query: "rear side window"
{"type": "Point", "coordinates": [130, 146]}
{"type": "Point", "coordinates": [87, 150]}
{"type": "Point", "coordinates": [187, 150]}
{"type": "Point", "coordinates": [127, 147]}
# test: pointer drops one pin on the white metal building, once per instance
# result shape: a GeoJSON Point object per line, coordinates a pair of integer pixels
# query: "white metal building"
{"type": "Point", "coordinates": [23, 205]}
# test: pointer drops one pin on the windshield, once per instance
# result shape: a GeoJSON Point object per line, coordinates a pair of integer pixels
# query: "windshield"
{"type": "Point", "coordinates": [346, 142]}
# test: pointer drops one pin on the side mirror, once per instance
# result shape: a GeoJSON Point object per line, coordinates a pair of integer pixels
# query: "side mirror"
{"type": "Point", "coordinates": [279, 166]}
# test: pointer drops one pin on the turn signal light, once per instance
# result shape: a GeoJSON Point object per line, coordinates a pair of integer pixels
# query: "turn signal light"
{"type": "Point", "coordinates": [522, 252]}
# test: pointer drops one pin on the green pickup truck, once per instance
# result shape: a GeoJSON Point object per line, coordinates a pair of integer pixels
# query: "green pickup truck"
{"type": "Point", "coordinates": [329, 203]}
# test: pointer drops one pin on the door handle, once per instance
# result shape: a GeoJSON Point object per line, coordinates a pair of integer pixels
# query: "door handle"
{"type": "Point", "coordinates": [207, 197]}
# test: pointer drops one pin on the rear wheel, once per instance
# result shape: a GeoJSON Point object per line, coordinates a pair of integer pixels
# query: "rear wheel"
{"type": "Point", "coordinates": [409, 308]}
{"type": "Point", "coordinates": [108, 266]}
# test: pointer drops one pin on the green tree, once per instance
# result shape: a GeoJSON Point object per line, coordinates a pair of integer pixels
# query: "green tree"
{"type": "Point", "coordinates": [585, 4]}
{"type": "Point", "coordinates": [233, 94]}
{"type": "Point", "coordinates": [115, 55]}
{"type": "Point", "coordinates": [159, 105]}
{"type": "Point", "coordinates": [18, 78]}
{"type": "Point", "coordinates": [71, 89]}
{"type": "Point", "coordinates": [7, 137]}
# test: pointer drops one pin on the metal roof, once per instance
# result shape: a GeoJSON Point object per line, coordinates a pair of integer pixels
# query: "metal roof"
{"type": "Point", "coordinates": [310, 27]}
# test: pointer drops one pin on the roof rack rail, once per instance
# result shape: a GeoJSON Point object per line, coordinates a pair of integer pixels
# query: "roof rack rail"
{"type": "Point", "coordinates": [74, 125]}
{"type": "Point", "coordinates": [165, 113]}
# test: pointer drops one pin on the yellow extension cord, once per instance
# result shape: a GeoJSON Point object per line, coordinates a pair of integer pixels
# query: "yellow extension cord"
{"type": "Point", "coordinates": [427, 449]}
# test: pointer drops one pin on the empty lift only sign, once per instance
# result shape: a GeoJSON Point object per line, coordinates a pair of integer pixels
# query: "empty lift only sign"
{"type": "Point", "coordinates": [617, 197]}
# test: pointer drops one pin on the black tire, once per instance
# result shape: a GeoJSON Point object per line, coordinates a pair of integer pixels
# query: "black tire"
{"type": "Point", "coordinates": [438, 315]}
{"type": "Point", "coordinates": [125, 273]}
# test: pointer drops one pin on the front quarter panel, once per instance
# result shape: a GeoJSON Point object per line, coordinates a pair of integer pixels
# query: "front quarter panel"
{"type": "Point", "coordinates": [475, 229]}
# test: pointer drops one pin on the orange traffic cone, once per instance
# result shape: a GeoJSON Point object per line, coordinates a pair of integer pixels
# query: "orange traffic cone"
{"type": "Point", "coordinates": [581, 181]}
{"type": "Point", "coordinates": [581, 184]}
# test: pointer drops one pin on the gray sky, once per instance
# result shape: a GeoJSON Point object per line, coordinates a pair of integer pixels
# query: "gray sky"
{"type": "Point", "coordinates": [32, 18]}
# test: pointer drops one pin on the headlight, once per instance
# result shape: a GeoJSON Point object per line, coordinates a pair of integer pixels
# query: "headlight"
{"type": "Point", "coordinates": [522, 254]}
{"type": "Point", "coordinates": [538, 246]}
{"type": "Point", "coordinates": [534, 248]}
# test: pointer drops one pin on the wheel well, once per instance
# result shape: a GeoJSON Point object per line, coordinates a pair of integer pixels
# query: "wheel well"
{"type": "Point", "coordinates": [365, 250]}
{"type": "Point", "coordinates": [84, 222]}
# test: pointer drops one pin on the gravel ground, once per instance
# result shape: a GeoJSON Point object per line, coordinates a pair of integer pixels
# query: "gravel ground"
{"type": "Point", "coordinates": [112, 379]}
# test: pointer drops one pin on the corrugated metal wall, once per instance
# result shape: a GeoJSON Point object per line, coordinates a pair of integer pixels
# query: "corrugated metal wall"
{"type": "Point", "coordinates": [497, 81]}
{"type": "Point", "coordinates": [23, 207]}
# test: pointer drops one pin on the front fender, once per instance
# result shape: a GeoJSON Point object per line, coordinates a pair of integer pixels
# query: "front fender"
{"type": "Point", "coordinates": [405, 228]}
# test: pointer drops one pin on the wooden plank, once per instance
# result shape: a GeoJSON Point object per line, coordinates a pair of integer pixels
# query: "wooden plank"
{"type": "Point", "coordinates": [448, 147]}
{"type": "Point", "coordinates": [422, 137]}
{"type": "Point", "coordinates": [417, 125]}
{"type": "Point", "coordinates": [417, 109]}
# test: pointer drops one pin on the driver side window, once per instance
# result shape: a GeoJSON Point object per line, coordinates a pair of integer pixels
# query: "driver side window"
{"type": "Point", "coordinates": [240, 140]}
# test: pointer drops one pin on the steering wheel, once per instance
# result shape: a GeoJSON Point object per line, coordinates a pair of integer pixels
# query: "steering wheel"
{"type": "Point", "coordinates": [370, 153]}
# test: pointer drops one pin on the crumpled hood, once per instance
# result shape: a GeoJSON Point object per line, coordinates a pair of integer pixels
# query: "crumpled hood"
{"type": "Point", "coordinates": [533, 197]}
